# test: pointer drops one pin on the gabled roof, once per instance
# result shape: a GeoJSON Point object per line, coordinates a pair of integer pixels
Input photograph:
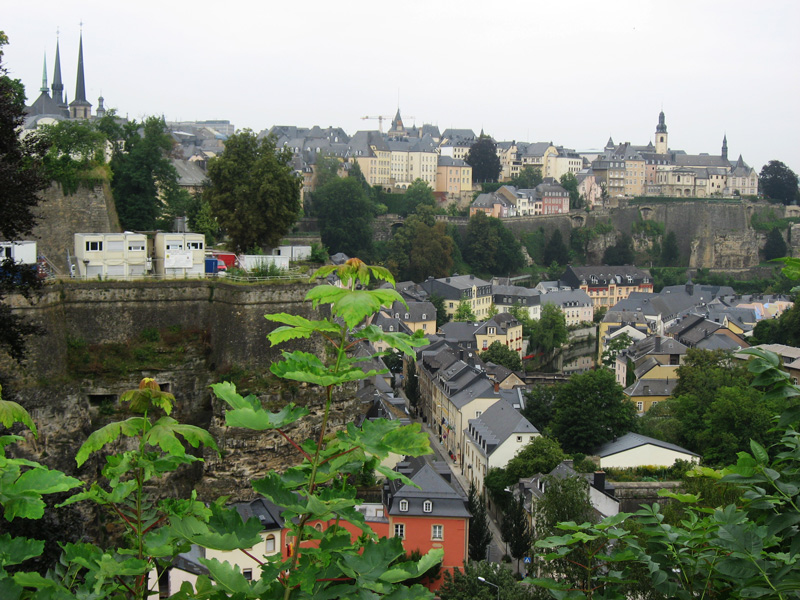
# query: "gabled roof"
{"type": "Point", "coordinates": [497, 423]}
{"type": "Point", "coordinates": [630, 441]}
{"type": "Point", "coordinates": [445, 501]}
{"type": "Point", "coordinates": [645, 388]}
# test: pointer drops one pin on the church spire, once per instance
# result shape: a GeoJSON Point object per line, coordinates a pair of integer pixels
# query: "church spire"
{"type": "Point", "coordinates": [58, 86]}
{"type": "Point", "coordinates": [80, 84]}
{"type": "Point", "coordinates": [80, 108]}
{"type": "Point", "coordinates": [725, 147]}
{"type": "Point", "coordinates": [662, 144]}
{"type": "Point", "coordinates": [662, 125]}
{"type": "Point", "coordinates": [44, 89]}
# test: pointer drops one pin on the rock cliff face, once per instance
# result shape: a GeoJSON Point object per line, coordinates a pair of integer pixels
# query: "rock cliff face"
{"type": "Point", "coordinates": [67, 410]}
{"type": "Point", "coordinates": [728, 250]}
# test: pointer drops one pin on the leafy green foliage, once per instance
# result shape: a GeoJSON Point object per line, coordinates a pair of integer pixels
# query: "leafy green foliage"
{"type": "Point", "coordinates": [621, 253]}
{"type": "Point", "coordinates": [465, 584]}
{"type": "Point", "coordinates": [490, 247]}
{"type": "Point", "coordinates": [529, 177]}
{"type": "Point", "coordinates": [570, 183]}
{"type": "Point", "coordinates": [480, 536]}
{"type": "Point", "coordinates": [75, 155]}
{"type": "Point", "coordinates": [550, 331]}
{"type": "Point", "coordinates": [253, 192]}
{"type": "Point", "coordinates": [613, 347]}
{"type": "Point", "coordinates": [500, 354]}
{"type": "Point", "coordinates": [590, 410]}
{"type": "Point", "coordinates": [555, 251]}
{"type": "Point", "coordinates": [345, 216]}
{"type": "Point", "coordinates": [670, 253]}
{"type": "Point", "coordinates": [778, 182]}
{"type": "Point", "coordinates": [775, 246]}
{"type": "Point", "coordinates": [464, 312]}
{"type": "Point", "coordinates": [421, 248]}
{"type": "Point", "coordinates": [515, 529]}
{"type": "Point", "coordinates": [483, 159]}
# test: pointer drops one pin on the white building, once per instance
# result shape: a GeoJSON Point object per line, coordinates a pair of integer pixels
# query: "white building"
{"type": "Point", "coordinates": [22, 253]}
{"type": "Point", "coordinates": [179, 254]}
{"type": "Point", "coordinates": [111, 255]}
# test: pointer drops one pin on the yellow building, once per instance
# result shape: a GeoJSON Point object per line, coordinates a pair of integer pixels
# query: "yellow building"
{"type": "Point", "coordinates": [476, 292]}
{"type": "Point", "coordinates": [453, 177]}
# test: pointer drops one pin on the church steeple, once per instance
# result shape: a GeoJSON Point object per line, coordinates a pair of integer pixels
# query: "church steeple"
{"type": "Point", "coordinates": [58, 87]}
{"type": "Point", "coordinates": [44, 89]}
{"type": "Point", "coordinates": [662, 146]}
{"type": "Point", "coordinates": [80, 108]}
{"type": "Point", "coordinates": [725, 147]}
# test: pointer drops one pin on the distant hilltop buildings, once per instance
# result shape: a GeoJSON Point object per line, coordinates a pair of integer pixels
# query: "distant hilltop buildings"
{"type": "Point", "coordinates": [402, 155]}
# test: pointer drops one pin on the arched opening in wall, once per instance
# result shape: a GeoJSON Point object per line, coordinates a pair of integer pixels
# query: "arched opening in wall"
{"type": "Point", "coordinates": [646, 212]}
{"type": "Point", "coordinates": [395, 226]}
{"type": "Point", "coordinates": [578, 220]}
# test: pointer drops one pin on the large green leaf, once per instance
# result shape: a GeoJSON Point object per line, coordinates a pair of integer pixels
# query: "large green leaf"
{"type": "Point", "coordinates": [407, 570]}
{"type": "Point", "coordinates": [11, 412]}
{"type": "Point", "coordinates": [273, 487]}
{"type": "Point", "coordinates": [162, 434]}
{"type": "Point", "coordinates": [306, 367]}
{"type": "Point", "coordinates": [110, 433]}
{"type": "Point", "coordinates": [225, 530]}
{"type": "Point", "coordinates": [394, 339]}
{"type": "Point", "coordinates": [15, 550]}
{"type": "Point", "coordinates": [259, 419]}
{"type": "Point", "coordinates": [22, 497]}
{"type": "Point", "coordinates": [227, 576]}
{"type": "Point", "coordinates": [297, 327]}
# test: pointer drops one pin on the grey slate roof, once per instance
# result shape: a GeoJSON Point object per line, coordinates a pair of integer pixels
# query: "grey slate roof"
{"type": "Point", "coordinates": [605, 275]}
{"type": "Point", "coordinates": [629, 441]}
{"type": "Point", "coordinates": [496, 425]}
{"type": "Point", "coordinates": [651, 387]}
{"type": "Point", "coordinates": [446, 502]}
{"type": "Point", "coordinates": [565, 299]}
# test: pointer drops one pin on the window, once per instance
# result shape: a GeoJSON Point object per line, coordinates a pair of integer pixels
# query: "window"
{"type": "Point", "coordinates": [136, 247]}
{"type": "Point", "coordinates": [478, 413]}
{"type": "Point", "coordinates": [174, 246]}
{"type": "Point", "coordinates": [96, 246]}
{"type": "Point", "coordinates": [424, 316]}
{"type": "Point", "coordinates": [270, 543]}
{"type": "Point", "coordinates": [437, 532]}
{"type": "Point", "coordinates": [519, 438]}
{"type": "Point", "coordinates": [640, 406]}
{"type": "Point", "coordinates": [194, 245]}
{"type": "Point", "coordinates": [247, 574]}
{"type": "Point", "coordinates": [400, 530]}
{"type": "Point", "coordinates": [403, 505]}
{"type": "Point", "coordinates": [427, 506]}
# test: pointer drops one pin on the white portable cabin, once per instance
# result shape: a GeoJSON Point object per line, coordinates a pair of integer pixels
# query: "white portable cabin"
{"type": "Point", "coordinates": [22, 253]}
{"type": "Point", "coordinates": [294, 253]}
{"type": "Point", "coordinates": [252, 261]}
{"type": "Point", "coordinates": [179, 254]}
{"type": "Point", "coordinates": [111, 255]}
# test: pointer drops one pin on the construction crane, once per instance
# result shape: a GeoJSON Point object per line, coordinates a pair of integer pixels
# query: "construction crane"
{"type": "Point", "coordinates": [380, 119]}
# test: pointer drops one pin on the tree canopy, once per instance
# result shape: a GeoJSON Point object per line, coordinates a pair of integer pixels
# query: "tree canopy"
{"type": "Point", "coordinates": [490, 247]}
{"type": "Point", "coordinates": [528, 178]}
{"type": "Point", "coordinates": [550, 331]}
{"type": "Point", "coordinates": [555, 251]}
{"type": "Point", "coordinates": [621, 253]}
{"type": "Point", "coordinates": [670, 253]}
{"type": "Point", "coordinates": [253, 191]}
{"type": "Point", "coordinates": [778, 182]}
{"type": "Point", "coordinates": [419, 193]}
{"type": "Point", "coordinates": [570, 183]}
{"type": "Point", "coordinates": [775, 246]}
{"type": "Point", "coordinates": [500, 354]}
{"type": "Point", "coordinates": [345, 214]}
{"type": "Point", "coordinates": [21, 182]}
{"type": "Point", "coordinates": [464, 312]}
{"type": "Point", "coordinates": [421, 248]}
{"type": "Point", "coordinates": [590, 410]}
{"type": "Point", "coordinates": [483, 159]}
{"type": "Point", "coordinates": [480, 536]}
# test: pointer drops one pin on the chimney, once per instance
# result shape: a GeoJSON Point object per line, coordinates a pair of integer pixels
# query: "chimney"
{"type": "Point", "coordinates": [658, 343]}
{"type": "Point", "coordinates": [599, 482]}
{"type": "Point", "coordinates": [496, 387]}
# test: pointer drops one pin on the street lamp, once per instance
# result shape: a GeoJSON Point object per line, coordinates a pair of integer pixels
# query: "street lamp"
{"type": "Point", "coordinates": [482, 580]}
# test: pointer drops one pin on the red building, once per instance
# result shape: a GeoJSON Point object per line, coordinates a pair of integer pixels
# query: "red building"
{"type": "Point", "coordinates": [431, 516]}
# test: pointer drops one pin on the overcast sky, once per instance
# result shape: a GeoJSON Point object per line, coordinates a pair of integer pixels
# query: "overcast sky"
{"type": "Point", "coordinates": [568, 72]}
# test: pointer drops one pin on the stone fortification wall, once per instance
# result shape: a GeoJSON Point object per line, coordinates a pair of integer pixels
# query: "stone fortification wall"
{"type": "Point", "coordinates": [67, 411]}
{"type": "Point", "coordinates": [61, 216]}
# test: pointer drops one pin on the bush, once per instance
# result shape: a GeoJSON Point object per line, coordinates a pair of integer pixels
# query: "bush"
{"type": "Point", "coordinates": [150, 334]}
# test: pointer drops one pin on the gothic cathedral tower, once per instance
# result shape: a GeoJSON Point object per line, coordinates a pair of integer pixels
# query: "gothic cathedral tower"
{"type": "Point", "coordinates": [661, 135]}
{"type": "Point", "coordinates": [80, 108]}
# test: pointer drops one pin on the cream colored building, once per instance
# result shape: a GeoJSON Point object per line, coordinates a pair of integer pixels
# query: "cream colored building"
{"type": "Point", "coordinates": [476, 292]}
{"type": "Point", "coordinates": [179, 254]}
{"type": "Point", "coordinates": [111, 255]}
{"type": "Point", "coordinates": [453, 177]}
{"type": "Point", "coordinates": [492, 439]}
{"type": "Point", "coordinates": [635, 450]}
{"type": "Point", "coordinates": [413, 159]}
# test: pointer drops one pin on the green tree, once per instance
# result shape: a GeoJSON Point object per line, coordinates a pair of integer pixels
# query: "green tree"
{"type": "Point", "coordinates": [419, 193]}
{"type": "Point", "coordinates": [141, 170]}
{"type": "Point", "coordinates": [541, 455]}
{"type": "Point", "coordinates": [201, 220]}
{"type": "Point", "coordinates": [614, 346]}
{"type": "Point", "coordinates": [778, 182]}
{"type": "Point", "coordinates": [621, 253]}
{"type": "Point", "coordinates": [480, 536]}
{"type": "Point", "coordinates": [411, 387]}
{"type": "Point", "coordinates": [21, 182]}
{"type": "Point", "coordinates": [76, 152]}
{"type": "Point", "coordinates": [529, 177]}
{"type": "Point", "coordinates": [490, 247]}
{"type": "Point", "coordinates": [464, 584]}
{"type": "Point", "coordinates": [345, 217]}
{"type": "Point", "coordinates": [540, 406]}
{"type": "Point", "coordinates": [591, 410]}
{"type": "Point", "coordinates": [556, 251]}
{"type": "Point", "coordinates": [516, 530]}
{"type": "Point", "coordinates": [670, 253]}
{"type": "Point", "coordinates": [253, 191]}
{"type": "Point", "coordinates": [326, 169]}
{"type": "Point", "coordinates": [535, 245]}
{"type": "Point", "coordinates": [550, 331]}
{"type": "Point", "coordinates": [500, 354]}
{"type": "Point", "coordinates": [579, 240]}
{"type": "Point", "coordinates": [570, 183]}
{"type": "Point", "coordinates": [464, 312]}
{"type": "Point", "coordinates": [775, 246]}
{"type": "Point", "coordinates": [483, 159]}
{"type": "Point", "coordinates": [421, 248]}
{"type": "Point", "coordinates": [783, 330]}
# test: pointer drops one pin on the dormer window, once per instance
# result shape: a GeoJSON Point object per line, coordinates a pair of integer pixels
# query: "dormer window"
{"type": "Point", "coordinates": [406, 315]}
{"type": "Point", "coordinates": [424, 316]}
{"type": "Point", "coordinates": [403, 506]}
{"type": "Point", "coordinates": [427, 506]}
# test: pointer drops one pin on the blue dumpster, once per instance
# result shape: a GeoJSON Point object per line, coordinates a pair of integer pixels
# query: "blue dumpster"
{"type": "Point", "coordinates": [212, 264]}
